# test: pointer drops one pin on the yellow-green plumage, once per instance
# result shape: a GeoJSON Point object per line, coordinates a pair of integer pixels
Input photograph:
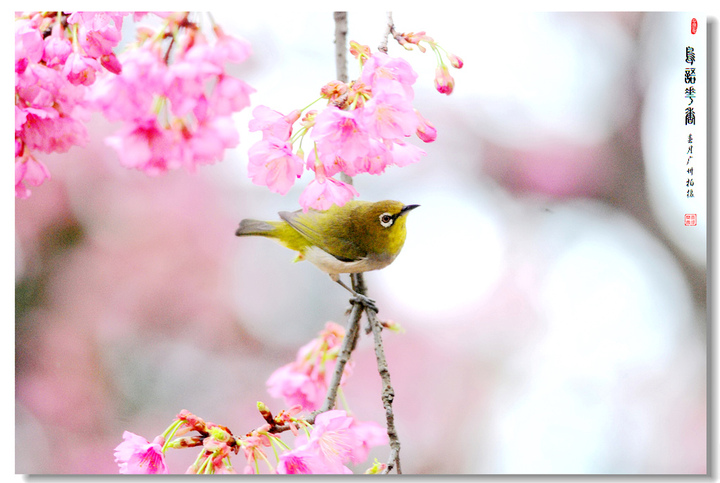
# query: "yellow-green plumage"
{"type": "Point", "coordinates": [356, 237]}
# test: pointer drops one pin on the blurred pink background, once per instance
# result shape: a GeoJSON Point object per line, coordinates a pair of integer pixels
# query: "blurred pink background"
{"type": "Point", "coordinates": [553, 301]}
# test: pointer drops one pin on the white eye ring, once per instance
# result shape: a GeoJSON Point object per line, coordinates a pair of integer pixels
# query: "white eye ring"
{"type": "Point", "coordinates": [386, 219]}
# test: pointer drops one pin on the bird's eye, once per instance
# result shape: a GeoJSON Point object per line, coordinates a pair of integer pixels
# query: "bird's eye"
{"type": "Point", "coordinates": [386, 219]}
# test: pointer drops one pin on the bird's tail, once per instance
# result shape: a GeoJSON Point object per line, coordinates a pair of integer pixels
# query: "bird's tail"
{"type": "Point", "coordinates": [255, 227]}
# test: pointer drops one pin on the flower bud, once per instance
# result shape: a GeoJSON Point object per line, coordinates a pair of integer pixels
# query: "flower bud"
{"type": "Point", "coordinates": [376, 468]}
{"type": "Point", "coordinates": [425, 131]}
{"type": "Point", "coordinates": [455, 61]}
{"type": "Point", "coordinates": [308, 119]}
{"type": "Point", "coordinates": [293, 116]}
{"type": "Point", "coordinates": [416, 38]}
{"type": "Point", "coordinates": [444, 82]}
{"type": "Point", "coordinates": [359, 51]}
{"type": "Point", "coordinates": [218, 434]}
{"type": "Point", "coordinates": [111, 63]}
{"type": "Point", "coordinates": [265, 412]}
{"type": "Point", "coordinates": [333, 89]}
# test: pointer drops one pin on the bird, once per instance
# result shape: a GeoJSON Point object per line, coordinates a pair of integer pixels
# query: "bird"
{"type": "Point", "coordinates": [357, 237]}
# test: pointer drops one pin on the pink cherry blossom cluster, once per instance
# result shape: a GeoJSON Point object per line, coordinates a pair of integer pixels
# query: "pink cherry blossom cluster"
{"type": "Point", "coordinates": [363, 129]}
{"type": "Point", "coordinates": [56, 57]}
{"type": "Point", "coordinates": [336, 439]}
{"type": "Point", "coordinates": [305, 381]}
{"type": "Point", "coordinates": [174, 98]}
{"type": "Point", "coordinates": [325, 447]}
{"type": "Point", "coordinates": [170, 90]}
{"type": "Point", "coordinates": [332, 441]}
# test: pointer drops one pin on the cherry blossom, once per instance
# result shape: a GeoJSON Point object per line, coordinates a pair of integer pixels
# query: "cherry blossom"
{"type": "Point", "coordinates": [335, 440]}
{"type": "Point", "coordinates": [305, 381]}
{"type": "Point", "coordinates": [303, 461]}
{"type": "Point", "coordinates": [192, 98]}
{"type": "Point", "coordinates": [323, 192]}
{"type": "Point", "coordinates": [273, 123]}
{"type": "Point", "coordinates": [341, 132]}
{"type": "Point", "coordinates": [363, 129]}
{"type": "Point", "coordinates": [136, 455]}
{"type": "Point", "coordinates": [175, 99]}
{"type": "Point", "coordinates": [273, 164]}
{"type": "Point", "coordinates": [390, 116]}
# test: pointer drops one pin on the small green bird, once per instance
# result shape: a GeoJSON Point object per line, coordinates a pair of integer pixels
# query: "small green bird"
{"type": "Point", "coordinates": [357, 237]}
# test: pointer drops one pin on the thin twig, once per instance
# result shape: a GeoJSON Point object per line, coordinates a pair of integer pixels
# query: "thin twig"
{"type": "Point", "coordinates": [348, 345]}
{"type": "Point", "coordinates": [388, 393]}
{"type": "Point", "coordinates": [383, 47]}
{"type": "Point", "coordinates": [351, 336]}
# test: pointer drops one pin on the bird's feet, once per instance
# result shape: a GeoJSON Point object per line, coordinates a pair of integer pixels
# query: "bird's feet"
{"type": "Point", "coordinates": [365, 301]}
{"type": "Point", "coordinates": [358, 298]}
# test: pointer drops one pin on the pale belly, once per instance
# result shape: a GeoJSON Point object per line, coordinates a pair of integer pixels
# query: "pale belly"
{"type": "Point", "coordinates": [329, 264]}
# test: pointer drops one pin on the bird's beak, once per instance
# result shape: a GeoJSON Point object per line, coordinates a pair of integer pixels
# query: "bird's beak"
{"type": "Point", "coordinates": [407, 208]}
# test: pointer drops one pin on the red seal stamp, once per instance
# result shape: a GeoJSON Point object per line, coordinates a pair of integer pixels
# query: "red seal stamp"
{"type": "Point", "coordinates": [691, 219]}
{"type": "Point", "coordinates": [693, 26]}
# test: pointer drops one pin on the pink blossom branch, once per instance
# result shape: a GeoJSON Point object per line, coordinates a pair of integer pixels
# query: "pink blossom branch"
{"type": "Point", "coordinates": [352, 332]}
{"type": "Point", "coordinates": [359, 286]}
{"type": "Point", "coordinates": [351, 336]}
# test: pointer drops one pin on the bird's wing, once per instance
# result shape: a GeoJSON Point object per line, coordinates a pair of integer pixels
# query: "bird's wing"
{"type": "Point", "coordinates": [343, 249]}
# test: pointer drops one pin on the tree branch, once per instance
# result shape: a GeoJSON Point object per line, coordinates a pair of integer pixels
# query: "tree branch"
{"type": "Point", "coordinates": [348, 345]}
{"type": "Point", "coordinates": [341, 29]}
{"type": "Point", "coordinates": [358, 284]}
{"type": "Point", "coordinates": [388, 393]}
{"type": "Point", "coordinates": [358, 280]}
{"type": "Point", "coordinates": [353, 329]}
{"type": "Point", "coordinates": [341, 69]}
{"type": "Point", "coordinates": [389, 29]}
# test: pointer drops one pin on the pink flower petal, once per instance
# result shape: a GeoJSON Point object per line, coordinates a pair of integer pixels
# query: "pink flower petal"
{"type": "Point", "coordinates": [322, 193]}
{"type": "Point", "coordinates": [273, 164]}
